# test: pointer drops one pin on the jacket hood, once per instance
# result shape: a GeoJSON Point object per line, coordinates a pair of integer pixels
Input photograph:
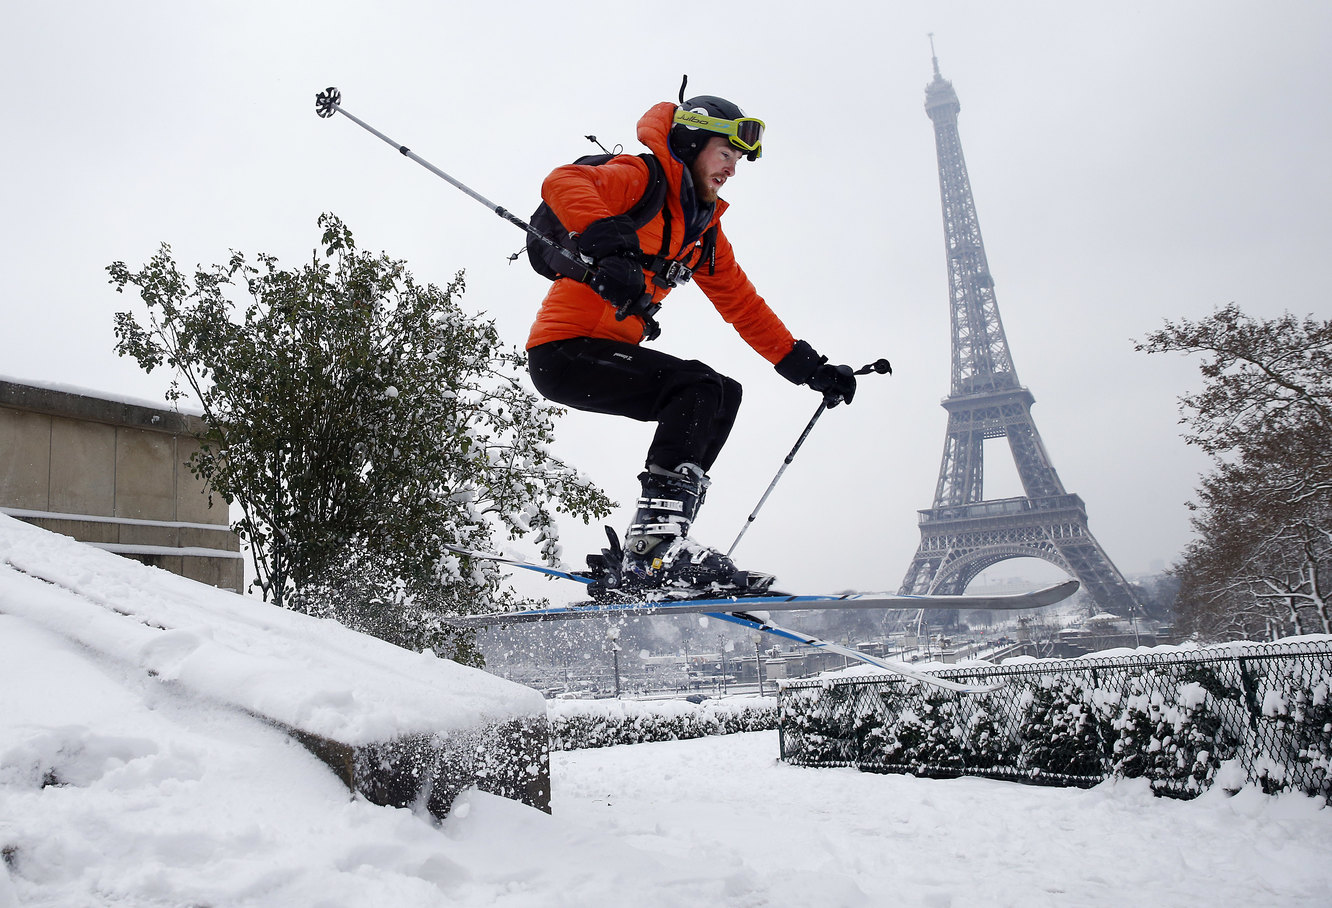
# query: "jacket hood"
{"type": "Point", "coordinates": [654, 130]}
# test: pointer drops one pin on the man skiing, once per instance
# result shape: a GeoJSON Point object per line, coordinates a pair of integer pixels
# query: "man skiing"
{"type": "Point", "coordinates": [585, 348]}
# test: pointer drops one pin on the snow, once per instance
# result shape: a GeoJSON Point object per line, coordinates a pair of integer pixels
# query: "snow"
{"type": "Point", "coordinates": [119, 789]}
{"type": "Point", "coordinates": [98, 518]}
{"type": "Point", "coordinates": [179, 406]}
{"type": "Point", "coordinates": [162, 803]}
{"type": "Point", "coordinates": [305, 672]}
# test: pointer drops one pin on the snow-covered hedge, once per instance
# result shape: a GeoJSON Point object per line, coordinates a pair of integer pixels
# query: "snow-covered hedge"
{"type": "Point", "coordinates": [578, 724]}
{"type": "Point", "coordinates": [1183, 719]}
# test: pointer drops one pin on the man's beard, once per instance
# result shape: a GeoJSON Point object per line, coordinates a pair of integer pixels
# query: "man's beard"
{"type": "Point", "coordinates": [704, 191]}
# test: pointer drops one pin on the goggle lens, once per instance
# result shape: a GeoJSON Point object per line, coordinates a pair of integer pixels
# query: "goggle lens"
{"type": "Point", "coordinates": [748, 134]}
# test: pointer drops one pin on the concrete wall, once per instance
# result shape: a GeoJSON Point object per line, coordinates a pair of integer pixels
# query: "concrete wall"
{"type": "Point", "coordinates": [114, 475]}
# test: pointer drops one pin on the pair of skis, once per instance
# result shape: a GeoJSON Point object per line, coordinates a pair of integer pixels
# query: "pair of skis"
{"type": "Point", "coordinates": [751, 611]}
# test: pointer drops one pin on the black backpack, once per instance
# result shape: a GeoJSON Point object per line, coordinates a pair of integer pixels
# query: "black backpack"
{"type": "Point", "coordinates": [549, 263]}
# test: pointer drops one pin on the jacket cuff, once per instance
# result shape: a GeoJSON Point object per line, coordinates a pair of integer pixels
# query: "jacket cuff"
{"type": "Point", "coordinates": [798, 365]}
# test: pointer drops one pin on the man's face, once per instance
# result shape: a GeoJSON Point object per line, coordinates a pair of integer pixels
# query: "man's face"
{"type": "Point", "coordinates": [714, 165]}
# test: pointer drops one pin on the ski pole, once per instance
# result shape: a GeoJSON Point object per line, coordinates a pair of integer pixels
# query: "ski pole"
{"type": "Point", "coordinates": [880, 366]}
{"type": "Point", "coordinates": [329, 102]}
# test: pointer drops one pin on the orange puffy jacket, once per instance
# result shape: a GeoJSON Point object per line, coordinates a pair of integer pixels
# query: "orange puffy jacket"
{"type": "Point", "coordinates": [580, 194]}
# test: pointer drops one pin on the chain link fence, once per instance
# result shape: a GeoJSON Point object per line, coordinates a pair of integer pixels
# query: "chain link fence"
{"type": "Point", "coordinates": [1185, 720]}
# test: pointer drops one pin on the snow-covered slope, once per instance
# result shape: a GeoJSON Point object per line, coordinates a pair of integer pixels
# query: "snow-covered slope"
{"type": "Point", "coordinates": [310, 674]}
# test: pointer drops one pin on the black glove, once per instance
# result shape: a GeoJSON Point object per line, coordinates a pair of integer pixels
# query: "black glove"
{"type": "Point", "coordinates": [804, 366]}
{"type": "Point", "coordinates": [619, 281]}
{"type": "Point", "coordinates": [607, 237]}
{"type": "Point", "coordinates": [838, 383]}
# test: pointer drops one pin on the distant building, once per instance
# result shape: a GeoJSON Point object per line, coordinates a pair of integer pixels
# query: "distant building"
{"type": "Point", "coordinates": [113, 474]}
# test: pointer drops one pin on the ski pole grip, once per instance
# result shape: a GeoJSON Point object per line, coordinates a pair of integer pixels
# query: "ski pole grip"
{"type": "Point", "coordinates": [642, 306]}
{"type": "Point", "coordinates": [645, 309]}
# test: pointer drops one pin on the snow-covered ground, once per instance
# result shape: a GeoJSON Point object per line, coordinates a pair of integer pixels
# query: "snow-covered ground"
{"type": "Point", "coordinates": [167, 802]}
{"type": "Point", "coordinates": [124, 788]}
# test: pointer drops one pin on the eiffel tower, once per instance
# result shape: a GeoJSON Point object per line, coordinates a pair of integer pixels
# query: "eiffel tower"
{"type": "Point", "coordinates": [964, 533]}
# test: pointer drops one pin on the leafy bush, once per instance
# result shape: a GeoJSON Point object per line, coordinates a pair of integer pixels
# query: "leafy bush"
{"type": "Point", "coordinates": [585, 724]}
{"type": "Point", "coordinates": [1262, 712]}
{"type": "Point", "coordinates": [361, 422]}
{"type": "Point", "coordinates": [1061, 732]}
{"type": "Point", "coordinates": [1177, 742]}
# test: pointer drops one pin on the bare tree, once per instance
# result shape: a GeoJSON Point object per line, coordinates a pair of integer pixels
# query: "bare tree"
{"type": "Point", "coordinates": [1261, 565]}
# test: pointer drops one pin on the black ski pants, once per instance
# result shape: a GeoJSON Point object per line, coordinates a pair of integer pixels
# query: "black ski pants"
{"type": "Point", "coordinates": [693, 405]}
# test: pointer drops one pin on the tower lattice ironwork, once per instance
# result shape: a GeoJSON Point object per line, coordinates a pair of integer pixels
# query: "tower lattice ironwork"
{"type": "Point", "coordinates": [964, 533]}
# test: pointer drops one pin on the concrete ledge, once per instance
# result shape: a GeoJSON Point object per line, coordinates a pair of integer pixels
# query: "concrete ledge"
{"type": "Point", "coordinates": [510, 759]}
{"type": "Point", "coordinates": [87, 408]}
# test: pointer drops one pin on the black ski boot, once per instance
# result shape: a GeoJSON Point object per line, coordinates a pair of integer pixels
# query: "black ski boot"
{"type": "Point", "coordinates": [658, 553]}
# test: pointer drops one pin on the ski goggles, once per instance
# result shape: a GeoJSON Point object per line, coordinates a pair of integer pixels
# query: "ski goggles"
{"type": "Point", "coordinates": [745, 133]}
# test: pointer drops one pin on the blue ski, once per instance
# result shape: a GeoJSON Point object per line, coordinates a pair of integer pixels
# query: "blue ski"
{"type": "Point", "coordinates": [759, 623]}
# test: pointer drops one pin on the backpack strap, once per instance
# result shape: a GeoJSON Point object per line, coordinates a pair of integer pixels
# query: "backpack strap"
{"type": "Point", "coordinates": [653, 198]}
{"type": "Point", "coordinates": [666, 272]}
{"type": "Point", "coordinates": [709, 251]}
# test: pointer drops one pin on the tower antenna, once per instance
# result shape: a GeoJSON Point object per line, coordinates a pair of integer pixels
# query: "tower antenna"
{"type": "Point", "coordinates": [933, 56]}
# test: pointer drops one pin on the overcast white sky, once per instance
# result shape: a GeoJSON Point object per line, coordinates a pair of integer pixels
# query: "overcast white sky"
{"type": "Point", "coordinates": [1131, 162]}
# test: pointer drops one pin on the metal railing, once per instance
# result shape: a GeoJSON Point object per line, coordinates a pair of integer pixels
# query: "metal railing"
{"type": "Point", "coordinates": [1229, 715]}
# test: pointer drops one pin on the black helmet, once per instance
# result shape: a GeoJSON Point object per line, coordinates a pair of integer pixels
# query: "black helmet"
{"type": "Point", "coordinates": [687, 139]}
